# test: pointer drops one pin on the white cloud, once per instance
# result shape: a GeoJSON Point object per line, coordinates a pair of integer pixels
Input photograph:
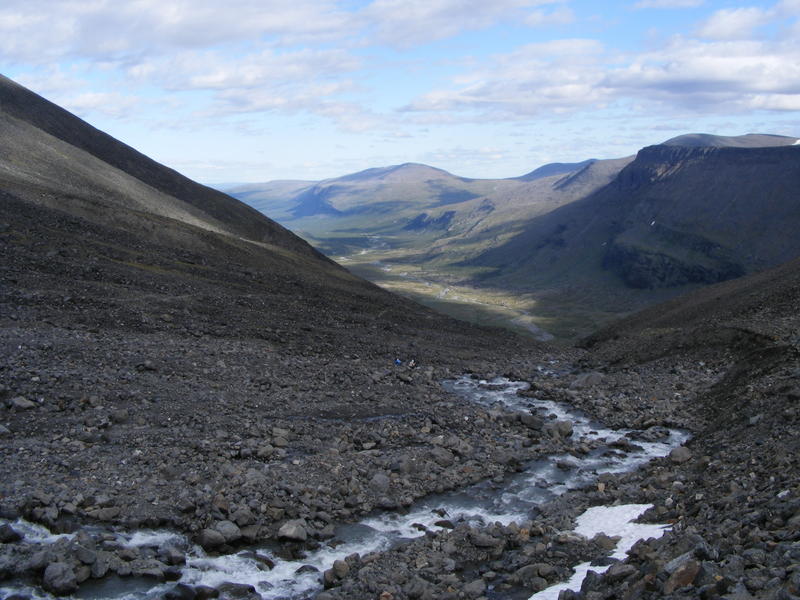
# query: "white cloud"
{"type": "Point", "coordinates": [560, 16]}
{"type": "Point", "coordinates": [669, 3]}
{"type": "Point", "coordinates": [112, 104]}
{"type": "Point", "coordinates": [42, 30]}
{"type": "Point", "coordinates": [552, 76]}
{"type": "Point", "coordinates": [735, 23]}
{"type": "Point", "coordinates": [713, 75]}
{"type": "Point", "coordinates": [266, 68]}
{"type": "Point", "coordinates": [410, 22]}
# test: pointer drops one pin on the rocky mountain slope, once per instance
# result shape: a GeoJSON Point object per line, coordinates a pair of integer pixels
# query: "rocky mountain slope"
{"type": "Point", "coordinates": [675, 218]}
{"type": "Point", "coordinates": [161, 370]}
{"type": "Point", "coordinates": [166, 362]}
{"type": "Point", "coordinates": [87, 168]}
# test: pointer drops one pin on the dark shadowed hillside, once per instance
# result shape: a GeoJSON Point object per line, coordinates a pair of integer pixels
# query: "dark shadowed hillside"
{"type": "Point", "coordinates": [676, 217]}
{"type": "Point", "coordinates": [86, 164]}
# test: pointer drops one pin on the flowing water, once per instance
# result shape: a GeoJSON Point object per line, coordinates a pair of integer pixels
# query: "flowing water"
{"type": "Point", "coordinates": [483, 503]}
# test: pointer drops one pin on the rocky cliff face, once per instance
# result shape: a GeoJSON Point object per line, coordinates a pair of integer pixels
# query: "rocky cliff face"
{"type": "Point", "coordinates": [684, 214]}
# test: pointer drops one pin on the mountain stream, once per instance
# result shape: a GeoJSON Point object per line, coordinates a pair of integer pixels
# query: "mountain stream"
{"type": "Point", "coordinates": [483, 503]}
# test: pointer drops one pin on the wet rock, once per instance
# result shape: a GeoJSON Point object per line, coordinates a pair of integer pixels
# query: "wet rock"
{"type": "Point", "coordinates": [203, 592]}
{"type": "Point", "coordinates": [294, 531]}
{"type": "Point", "coordinates": [101, 565]}
{"type": "Point", "coordinates": [59, 578]}
{"type": "Point", "coordinates": [264, 562]}
{"type": "Point", "coordinates": [148, 567]}
{"type": "Point", "coordinates": [306, 569]}
{"type": "Point", "coordinates": [341, 568]}
{"type": "Point", "coordinates": [329, 579]}
{"type": "Point", "coordinates": [172, 556]}
{"type": "Point", "coordinates": [85, 553]}
{"type": "Point", "coordinates": [445, 524]}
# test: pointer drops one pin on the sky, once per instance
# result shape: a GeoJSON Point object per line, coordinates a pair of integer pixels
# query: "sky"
{"type": "Point", "coordinates": [258, 90]}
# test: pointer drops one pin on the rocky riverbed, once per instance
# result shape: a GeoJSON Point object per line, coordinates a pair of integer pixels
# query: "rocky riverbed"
{"type": "Point", "coordinates": [570, 449]}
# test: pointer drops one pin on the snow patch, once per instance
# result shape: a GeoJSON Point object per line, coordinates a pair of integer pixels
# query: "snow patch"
{"type": "Point", "coordinates": [612, 521]}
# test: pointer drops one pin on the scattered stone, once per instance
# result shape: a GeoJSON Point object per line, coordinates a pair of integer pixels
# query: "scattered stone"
{"type": "Point", "coordinates": [442, 456]}
{"type": "Point", "coordinates": [379, 482]}
{"type": "Point", "coordinates": [680, 455]}
{"type": "Point", "coordinates": [475, 588]}
{"type": "Point", "coordinates": [21, 403]}
{"type": "Point", "coordinates": [683, 576]}
{"type": "Point", "coordinates": [585, 380]}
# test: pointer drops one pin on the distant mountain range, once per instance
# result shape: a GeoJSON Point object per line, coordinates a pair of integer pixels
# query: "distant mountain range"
{"type": "Point", "coordinates": [608, 235]}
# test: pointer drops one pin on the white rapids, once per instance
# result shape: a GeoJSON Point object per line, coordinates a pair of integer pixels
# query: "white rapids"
{"type": "Point", "coordinates": [480, 504]}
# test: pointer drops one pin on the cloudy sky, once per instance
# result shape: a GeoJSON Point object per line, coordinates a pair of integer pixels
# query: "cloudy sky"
{"type": "Point", "coordinates": [254, 90]}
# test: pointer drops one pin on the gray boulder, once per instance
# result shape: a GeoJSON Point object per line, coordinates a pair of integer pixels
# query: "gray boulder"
{"type": "Point", "coordinates": [21, 403]}
{"type": "Point", "coordinates": [210, 539]}
{"type": "Point", "coordinates": [294, 531]}
{"type": "Point", "coordinates": [229, 530]}
{"type": "Point", "coordinates": [59, 578]}
{"type": "Point", "coordinates": [680, 455]}
{"type": "Point", "coordinates": [442, 456]}
{"type": "Point", "coordinates": [379, 482]}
